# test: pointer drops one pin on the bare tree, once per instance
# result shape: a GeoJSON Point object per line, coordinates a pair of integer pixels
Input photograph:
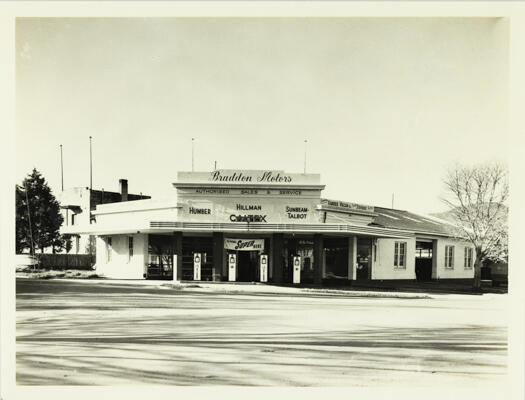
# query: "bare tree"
{"type": "Point", "coordinates": [476, 196]}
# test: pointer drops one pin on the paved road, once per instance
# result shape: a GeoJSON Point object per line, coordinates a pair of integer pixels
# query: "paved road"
{"type": "Point", "coordinates": [85, 333]}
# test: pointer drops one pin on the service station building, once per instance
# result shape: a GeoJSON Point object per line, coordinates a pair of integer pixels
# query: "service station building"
{"type": "Point", "coordinates": [269, 226]}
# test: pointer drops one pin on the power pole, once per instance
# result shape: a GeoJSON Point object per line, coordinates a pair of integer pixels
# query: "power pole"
{"type": "Point", "coordinates": [61, 168]}
{"type": "Point", "coordinates": [192, 154]}
{"type": "Point", "coordinates": [90, 166]}
{"type": "Point", "coordinates": [305, 141]}
{"type": "Point", "coordinates": [30, 230]}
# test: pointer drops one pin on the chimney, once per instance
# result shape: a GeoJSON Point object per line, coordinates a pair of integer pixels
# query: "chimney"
{"type": "Point", "coordinates": [123, 189]}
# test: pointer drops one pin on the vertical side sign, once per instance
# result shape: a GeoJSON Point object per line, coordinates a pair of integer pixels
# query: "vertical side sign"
{"type": "Point", "coordinates": [232, 267]}
{"type": "Point", "coordinates": [197, 266]}
{"type": "Point", "coordinates": [264, 268]}
{"type": "Point", "coordinates": [297, 269]}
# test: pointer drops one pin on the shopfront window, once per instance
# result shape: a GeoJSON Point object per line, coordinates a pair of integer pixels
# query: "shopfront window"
{"type": "Point", "coordinates": [160, 256]}
{"type": "Point", "coordinates": [336, 257]}
{"type": "Point", "coordinates": [304, 248]}
{"type": "Point", "coordinates": [202, 245]}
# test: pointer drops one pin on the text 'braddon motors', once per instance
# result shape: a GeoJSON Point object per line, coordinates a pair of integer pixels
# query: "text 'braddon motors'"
{"type": "Point", "coordinates": [267, 176]}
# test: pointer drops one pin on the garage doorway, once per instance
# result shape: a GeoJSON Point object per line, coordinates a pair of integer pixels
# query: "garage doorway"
{"type": "Point", "coordinates": [424, 260]}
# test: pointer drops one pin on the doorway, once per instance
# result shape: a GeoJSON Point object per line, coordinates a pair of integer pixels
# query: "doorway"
{"type": "Point", "coordinates": [423, 261]}
{"type": "Point", "coordinates": [247, 265]}
{"type": "Point", "coordinates": [364, 270]}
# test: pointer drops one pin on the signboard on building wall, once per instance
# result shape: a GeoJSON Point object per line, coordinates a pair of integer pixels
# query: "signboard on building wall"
{"type": "Point", "coordinates": [244, 244]}
{"type": "Point", "coordinates": [248, 196]}
{"type": "Point", "coordinates": [252, 177]}
{"type": "Point", "coordinates": [232, 209]}
{"type": "Point", "coordinates": [346, 206]}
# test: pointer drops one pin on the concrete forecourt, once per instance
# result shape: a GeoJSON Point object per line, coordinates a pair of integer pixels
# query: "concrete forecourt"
{"type": "Point", "coordinates": [96, 332]}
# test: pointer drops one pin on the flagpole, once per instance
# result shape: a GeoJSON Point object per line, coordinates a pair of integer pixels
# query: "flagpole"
{"type": "Point", "coordinates": [90, 166]}
{"type": "Point", "coordinates": [192, 154]}
{"type": "Point", "coordinates": [61, 168]}
{"type": "Point", "coordinates": [305, 141]}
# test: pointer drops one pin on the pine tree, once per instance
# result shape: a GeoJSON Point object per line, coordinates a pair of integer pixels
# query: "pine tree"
{"type": "Point", "coordinates": [38, 217]}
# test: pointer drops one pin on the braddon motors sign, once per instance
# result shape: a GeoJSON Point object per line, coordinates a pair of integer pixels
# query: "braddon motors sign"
{"type": "Point", "coordinates": [244, 244]}
{"type": "Point", "coordinates": [261, 177]}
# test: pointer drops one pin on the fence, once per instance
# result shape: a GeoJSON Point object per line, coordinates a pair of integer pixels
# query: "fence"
{"type": "Point", "coordinates": [66, 261]}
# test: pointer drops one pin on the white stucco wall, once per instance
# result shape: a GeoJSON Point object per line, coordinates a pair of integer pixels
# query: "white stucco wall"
{"type": "Point", "coordinates": [458, 271]}
{"type": "Point", "coordinates": [134, 215]}
{"type": "Point", "coordinates": [121, 266]}
{"type": "Point", "coordinates": [383, 266]}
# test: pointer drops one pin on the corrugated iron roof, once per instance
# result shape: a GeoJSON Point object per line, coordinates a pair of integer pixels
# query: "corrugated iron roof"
{"type": "Point", "coordinates": [401, 219]}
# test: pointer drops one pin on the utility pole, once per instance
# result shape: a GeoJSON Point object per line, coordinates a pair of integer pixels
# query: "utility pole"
{"type": "Point", "coordinates": [30, 230]}
{"type": "Point", "coordinates": [90, 166]}
{"type": "Point", "coordinates": [392, 201]}
{"type": "Point", "coordinates": [192, 154]}
{"type": "Point", "coordinates": [61, 168]}
{"type": "Point", "coordinates": [305, 141]}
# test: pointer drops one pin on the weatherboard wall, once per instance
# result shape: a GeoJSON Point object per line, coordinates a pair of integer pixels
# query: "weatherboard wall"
{"type": "Point", "coordinates": [458, 271]}
{"type": "Point", "coordinates": [383, 263]}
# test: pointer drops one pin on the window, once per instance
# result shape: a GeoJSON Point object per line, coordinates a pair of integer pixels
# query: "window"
{"type": "Point", "coordinates": [109, 243]}
{"type": "Point", "coordinates": [468, 257]}
{"type": "Point", "coordinates": [449, 256]}
{"type": "Point", "coordinates": [130, 248]}
{"type": "Point", "coordinates": [400, 253]}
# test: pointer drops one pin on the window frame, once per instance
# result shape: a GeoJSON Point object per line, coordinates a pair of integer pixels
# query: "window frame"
{"type": "Point", "coordinates": [131, 243]}
{"type": "Point", "coordinates": [469, 258]}
{"type": "Point", "coordinates": [449, 256]}
{"type": "Point", "coordinates": [400, 257]}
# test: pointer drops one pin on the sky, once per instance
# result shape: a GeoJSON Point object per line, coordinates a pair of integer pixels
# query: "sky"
{"type": "Point", "coordinates": [386, 105]}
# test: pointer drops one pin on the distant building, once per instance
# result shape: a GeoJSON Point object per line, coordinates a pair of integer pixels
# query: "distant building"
{"type": "Point", "coordinates": [77, 205]}
{"type": "Point", "coordinates": [270, 226]}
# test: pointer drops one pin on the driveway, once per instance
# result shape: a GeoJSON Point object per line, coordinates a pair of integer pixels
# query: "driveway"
{"type": "Point", "coordinates": [104, 333]}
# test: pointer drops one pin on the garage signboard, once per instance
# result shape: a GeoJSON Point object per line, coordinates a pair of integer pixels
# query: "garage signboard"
{"type": "Point", "coordinates": [244, 244]}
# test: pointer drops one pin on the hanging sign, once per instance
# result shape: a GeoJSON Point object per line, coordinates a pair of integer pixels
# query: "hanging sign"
{"type": "Point", "coordinates": [232, 267]}
{"type": "Point", "coordinates": [297, 269]}
{"type": "Point", "coordinates": [197, 266]}
{"type": "Point", "coordinates": [244, 244]}
{"type": "Point", "coordinates": [264, 268]}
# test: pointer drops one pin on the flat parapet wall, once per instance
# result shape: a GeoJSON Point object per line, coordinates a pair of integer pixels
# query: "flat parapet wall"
{"type": "Point", "coordinates": [248, 178]}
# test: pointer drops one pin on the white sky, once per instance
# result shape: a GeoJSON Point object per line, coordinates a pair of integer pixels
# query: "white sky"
{"type": "Point", "coordinates": [386, 104]}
